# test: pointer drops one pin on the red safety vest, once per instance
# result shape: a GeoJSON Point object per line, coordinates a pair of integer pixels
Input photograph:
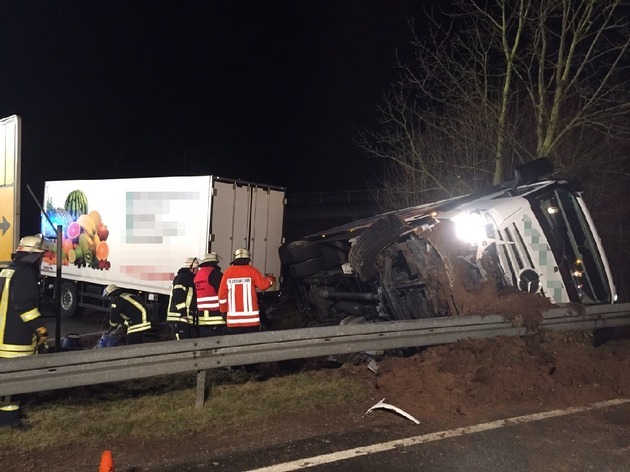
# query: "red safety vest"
{"type": "Point", "coordinates": [207, 299]}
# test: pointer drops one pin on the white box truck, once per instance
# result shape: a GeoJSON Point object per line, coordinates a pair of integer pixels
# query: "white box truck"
{"type": "Point", "coordinates": [137, 232]}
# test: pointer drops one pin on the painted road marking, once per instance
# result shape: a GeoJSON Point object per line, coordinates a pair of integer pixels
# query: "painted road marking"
{"type": "Point", "coordinates": [426, 438]}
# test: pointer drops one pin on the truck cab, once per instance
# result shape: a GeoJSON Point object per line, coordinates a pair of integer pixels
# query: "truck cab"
{"type": "Point", "coordinates": [527, 235]}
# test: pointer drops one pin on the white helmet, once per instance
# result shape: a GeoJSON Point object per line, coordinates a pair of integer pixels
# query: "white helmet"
{"type": "Point", "coordinates": [30, 244]}
{"type": "Point", "coordinates": [242, 254]}
{"type": "Point", "coordinates": [190, 263]}
{"type": "Point", "coordinates": [210, 257]}
{"type": "Point", "coordinates": [111, 288]}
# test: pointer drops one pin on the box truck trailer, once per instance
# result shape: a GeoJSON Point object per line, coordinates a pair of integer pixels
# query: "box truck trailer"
{"type": "Point", "coordinates": [137, 232]}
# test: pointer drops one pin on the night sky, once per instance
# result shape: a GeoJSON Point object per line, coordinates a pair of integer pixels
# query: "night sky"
{"type": "Point", "coordinates": [270, 92]}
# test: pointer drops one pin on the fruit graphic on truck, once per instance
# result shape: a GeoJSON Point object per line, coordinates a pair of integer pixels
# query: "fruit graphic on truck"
{"type": "Point", "coordinates": [84, 242]}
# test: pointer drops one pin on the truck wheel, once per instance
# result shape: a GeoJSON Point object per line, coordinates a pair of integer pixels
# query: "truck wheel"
{"type": "Point", "coordinates": [69, 300]}
{"type": "Point", "coordinates": [299, 251]}
{"type": "Point", "coordinates": [306, 268]}
{"type": "Point", "coordinates": [369, 245]}
{"type": "Point", "coordinates": [284, 255]}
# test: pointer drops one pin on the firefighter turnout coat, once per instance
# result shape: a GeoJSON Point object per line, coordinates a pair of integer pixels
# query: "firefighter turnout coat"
{"type": "Point", "coordinates": [207, 283]}
{"type": "Point", "coordinates": [128, 309]}
{"type": "Point", "coordinates": [182, 307]}
{"type": "Point", "coordinates": [237, 295]}
{"type": "Point", "coordinates": [19, 313]}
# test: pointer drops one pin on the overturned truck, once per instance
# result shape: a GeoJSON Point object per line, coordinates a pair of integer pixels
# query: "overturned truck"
{"type": "Point", "coordinates": [527, 235]}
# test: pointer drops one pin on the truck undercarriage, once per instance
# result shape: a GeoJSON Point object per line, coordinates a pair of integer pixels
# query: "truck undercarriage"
{"type": "Point", "coordinates": [431, 261]}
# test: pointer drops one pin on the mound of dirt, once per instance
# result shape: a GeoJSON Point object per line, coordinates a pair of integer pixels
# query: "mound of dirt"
{"type": "Point", "coordinates": [488, 377]}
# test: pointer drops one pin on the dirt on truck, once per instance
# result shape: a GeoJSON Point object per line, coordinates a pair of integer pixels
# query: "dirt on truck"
{"type": "Point", "coordinates": [530, 242]}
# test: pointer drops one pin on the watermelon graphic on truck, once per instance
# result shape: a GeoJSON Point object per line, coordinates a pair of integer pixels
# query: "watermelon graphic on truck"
{"type": "Point", "coordinates": [76, 204]}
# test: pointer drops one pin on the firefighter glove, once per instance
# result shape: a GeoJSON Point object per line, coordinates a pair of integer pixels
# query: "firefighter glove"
{"type": "Point", "coordinates": [42, 336]}
{"type": "Point", "coordinates": [272, 279]}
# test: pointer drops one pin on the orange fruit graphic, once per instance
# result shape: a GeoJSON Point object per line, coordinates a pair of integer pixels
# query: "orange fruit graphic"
{"type": "Point", "coordinates": [102, 251]}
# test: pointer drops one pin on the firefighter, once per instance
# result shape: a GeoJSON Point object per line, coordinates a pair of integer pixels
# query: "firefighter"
{"type": "Point", "coordinates": [182, 307]}
{"type": "Point", "coordinates": [21, 327]}
{"type": "Point", "coordinates": [207, 280]}
{"type": "Point", "coordinates": [237, 293]}
{"type": "Point", "coordinates": [128, 310]}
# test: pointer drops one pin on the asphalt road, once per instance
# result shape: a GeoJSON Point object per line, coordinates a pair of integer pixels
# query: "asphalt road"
{"type": "Point", "coordinates": [595, 439]}
{"type": "Point", "coordinates": [89, 323]}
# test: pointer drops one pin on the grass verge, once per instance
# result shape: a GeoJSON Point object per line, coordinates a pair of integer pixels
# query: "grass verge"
{"type": "Point", "coordinates": [158, 408]}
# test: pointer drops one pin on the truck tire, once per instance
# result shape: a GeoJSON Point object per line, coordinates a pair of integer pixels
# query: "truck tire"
{"type": "Point", "coordinates": [300, 251]}
{"type": "Point", "coordinates": [70, 300]}
{"type": "Point", "coordinates": [369, 245]}
{"type": "Point", "coordinates": [308, 267]}
{"type": "Point", "coordinates": [334, 255]}
{"type": "Point", "coordinates": [284, 255]}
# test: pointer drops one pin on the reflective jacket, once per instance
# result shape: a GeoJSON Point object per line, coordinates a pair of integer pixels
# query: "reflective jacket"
{"type": "Point", "coordinates": [128, 309]}
{"type": "Point", "coordinates": [237, 295]}
{"type": "Point", "coordinates": [19, 312]}
{"type": "Point", "coordinates": [182, 307]}
{"type": "Point", "coordinates": [207, 282]}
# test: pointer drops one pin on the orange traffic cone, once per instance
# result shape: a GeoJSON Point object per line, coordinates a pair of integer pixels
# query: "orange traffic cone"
{"type": "Point", "coordinates": [107, 463]}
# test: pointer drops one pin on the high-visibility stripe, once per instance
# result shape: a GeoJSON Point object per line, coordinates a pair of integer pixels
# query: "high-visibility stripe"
{"type": "Point", "coordinates": [137, 328]}
{"type": "Point", "coordinates": [4, 300]}
{"type": "Point", "coordinates": [177, 318]}
{"type": "Point", "coordinates": [208, 303]}
{"type": "Point", "coordinates": [241, 310]}
{"type": "Point", "coordinates": [205, 319]}
{"type": "Point", "coordinates": [30, 315]}
{"type": "Point", "coordinates": [138, 305]}
{"type": "Point", "coordinates": [236, 322]}
{"type": "Point", "coordinates": [17, 350]}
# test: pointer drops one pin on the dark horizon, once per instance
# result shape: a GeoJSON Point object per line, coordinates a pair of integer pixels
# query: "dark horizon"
{"type": "Point", "coordinates": [271, 93]}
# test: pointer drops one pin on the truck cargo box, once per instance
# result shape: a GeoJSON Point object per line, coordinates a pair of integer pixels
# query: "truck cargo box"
{"type": "Point", "coordinates": [137, 232]}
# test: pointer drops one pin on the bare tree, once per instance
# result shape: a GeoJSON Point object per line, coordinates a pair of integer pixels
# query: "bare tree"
{"type": "Point", "coordinates": [575, 70]}
{"type": "Point", "coordinates": [499, 83]}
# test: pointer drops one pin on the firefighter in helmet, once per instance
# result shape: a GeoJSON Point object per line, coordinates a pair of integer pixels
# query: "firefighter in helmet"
{"type": "Point", "coordinates": [182, 306]}
{"type": "Point", "coordinates": [127, 309]}
{"type": "Point", "coordinates": [21, 328]}
{"type": "Point", "coordinates": [237, 294]}
{"type": "Point", "coordinates": [207, 281]}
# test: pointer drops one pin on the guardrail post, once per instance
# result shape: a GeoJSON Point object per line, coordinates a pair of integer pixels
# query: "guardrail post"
{"type": "Point", "coordinates": [201, 389]}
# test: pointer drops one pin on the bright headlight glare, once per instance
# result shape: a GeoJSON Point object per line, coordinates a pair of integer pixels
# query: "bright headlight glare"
{"type": "Point", "coordinates": [470, 228]}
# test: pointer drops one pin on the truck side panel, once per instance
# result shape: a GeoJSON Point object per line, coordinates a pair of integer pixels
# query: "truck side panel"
{"type": "Point", "coordinates": [149, 227]}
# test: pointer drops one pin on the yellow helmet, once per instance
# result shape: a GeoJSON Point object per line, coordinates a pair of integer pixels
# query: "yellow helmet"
{"type": "Point", "coordinates": [242, 254]}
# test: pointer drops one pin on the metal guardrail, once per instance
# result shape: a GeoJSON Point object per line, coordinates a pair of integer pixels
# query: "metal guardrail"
{"type": "Point", "coordinates": [91, 367]}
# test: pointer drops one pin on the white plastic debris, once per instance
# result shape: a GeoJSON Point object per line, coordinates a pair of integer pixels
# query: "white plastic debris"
{"type": "Point", "coordinates": [387, 406]}
{"type": "Point", "coordinates": [373, 366]}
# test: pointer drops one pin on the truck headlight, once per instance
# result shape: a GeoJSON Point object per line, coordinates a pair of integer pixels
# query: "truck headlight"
{"type": "Point", "coordinates": [470, 228]}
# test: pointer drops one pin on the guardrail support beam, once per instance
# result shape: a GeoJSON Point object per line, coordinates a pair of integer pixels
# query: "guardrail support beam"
{"type": "Point", "coordinates": [201, 389]}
